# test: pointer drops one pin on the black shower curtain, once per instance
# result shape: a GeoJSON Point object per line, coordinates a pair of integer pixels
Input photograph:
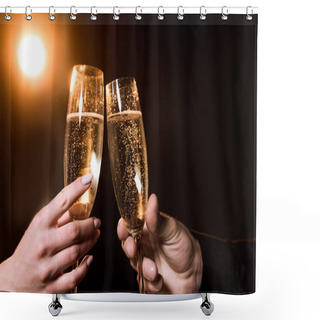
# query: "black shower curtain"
{"type": "Point", "coordinates": [197, 88]}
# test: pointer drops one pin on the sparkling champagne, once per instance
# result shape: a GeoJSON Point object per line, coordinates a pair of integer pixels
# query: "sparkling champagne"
{"type": "Point", "coordinates": [128, 161]}
{"type": "Point", "coordinates": [82, 155]}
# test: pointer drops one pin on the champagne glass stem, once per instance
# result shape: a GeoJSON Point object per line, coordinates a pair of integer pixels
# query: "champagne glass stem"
{"type": "Point", "coordinates": [140, 267]}
{"type": "Point", "coordinates": [76, 265]}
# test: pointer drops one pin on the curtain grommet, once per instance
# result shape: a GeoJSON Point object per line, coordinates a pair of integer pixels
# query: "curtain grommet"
{"type": "Point", "coordinates": [138, 15]}
{"type": "Point", "coordinates": [116, 15]}
{"type": "Point", "coordinates": [51, 15]}
{"type": "Point", "coordinates": [203, 13]}
{"type": "Point", "coordinates": [249, 14]}
{"type": "Point", "coordinates": [180, 15]}
{"type": "Point", "coordinates": [7, 16]}
{"type": "Point", "coordinates": [73, 15]}
{"type": "Point", "coordinates": [93, 17]}
{"type": "Point", "coordinates": [160, 15]}
{"type": "Point", "coordinates": [224, 13]}
{"type": "Point", "coordinates": [28, 11]}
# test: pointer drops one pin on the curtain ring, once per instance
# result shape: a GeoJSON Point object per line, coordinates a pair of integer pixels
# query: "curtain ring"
{"type": "Point", "coordinates": [28, 16]}
{"type": "Point", "coordinates": [249, 15]}
{"type": "Point", "coordinates": [180, 13]}
{"type": "Point", "coordinates": [7, 16]}
{"type": "Point", "coordinates": [51, 16]}
{"type": "Point", "coordinates": [138, 16]}
{"type": "Point", "coordinates": [160, 15]}
{"type": "Point", "coordinates": [116, 14]}
{"type": "Point", "coordinates": [73, 14]}
{"type": "Point", "coordinates": [203, 13]}
{"type": "Point", "coordinates": [224, 13]}
{"type": "Point", "coordinates": [93, 16]}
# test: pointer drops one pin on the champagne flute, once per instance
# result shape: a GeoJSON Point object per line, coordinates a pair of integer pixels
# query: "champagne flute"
{"type": "Point", "coordinates": [128, 157]}
{"type": "Point", "coordinates": [84, 136]}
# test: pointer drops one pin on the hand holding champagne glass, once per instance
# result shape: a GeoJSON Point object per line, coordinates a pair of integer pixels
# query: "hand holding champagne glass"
{"type": "Point", "coordinates": [84, 134]}
{"type": "Point", "coordinates": [128, 156]}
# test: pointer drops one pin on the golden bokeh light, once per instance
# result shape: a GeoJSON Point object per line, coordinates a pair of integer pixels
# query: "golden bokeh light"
{"type": "Point", "coordinates": [31, 55]}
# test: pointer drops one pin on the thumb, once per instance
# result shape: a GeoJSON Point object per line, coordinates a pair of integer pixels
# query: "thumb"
{"type": "Point", "coordinates": [161, 225]}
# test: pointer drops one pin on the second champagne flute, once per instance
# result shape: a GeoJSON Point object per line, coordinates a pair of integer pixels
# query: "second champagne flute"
{"type": "Point", "coordinates": [128, 157]}
{"type": "Point", "coordinates": [84, 135]}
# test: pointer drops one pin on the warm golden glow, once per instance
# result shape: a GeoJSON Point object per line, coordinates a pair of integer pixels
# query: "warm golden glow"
{"type": "Point", "coordinates": [31, 55]}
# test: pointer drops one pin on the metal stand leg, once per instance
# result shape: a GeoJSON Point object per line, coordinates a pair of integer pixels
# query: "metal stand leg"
{"type": "Point", "coordinates": [55, 306]}
{"type": "Point", "coordinates": [206, 305]}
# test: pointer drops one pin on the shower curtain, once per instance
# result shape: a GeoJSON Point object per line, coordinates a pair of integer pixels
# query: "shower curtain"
{"type": "Point", "coordinates": [197, 87]}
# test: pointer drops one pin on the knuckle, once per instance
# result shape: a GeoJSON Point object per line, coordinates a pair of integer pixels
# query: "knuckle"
{"type": "Point", "coordinates": [63, 200]}
{"type": "Point", "coordinates": [39, 217]}
{"type": "Point", "coordinates": [75, 253]}
{"type": "Point", "coordinates": [74, 231]}
{"type": "Point", "coordinates": [41, 248]}
{"type": "Point", "coordinates": [44, 273]}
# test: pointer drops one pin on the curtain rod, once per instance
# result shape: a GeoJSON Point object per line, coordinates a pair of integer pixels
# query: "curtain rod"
{"type": "Point", "coordinates": [130, 10]}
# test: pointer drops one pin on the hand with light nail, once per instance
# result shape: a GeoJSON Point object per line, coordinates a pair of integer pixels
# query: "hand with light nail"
{"type": "Point", "coordinates": [172, 260]}
{"type": "Point", "coordinates": [51, 244]}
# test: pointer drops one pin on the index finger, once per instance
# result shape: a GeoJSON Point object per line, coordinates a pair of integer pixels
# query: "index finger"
{"type": "Point", "coordinates": [66, 197]}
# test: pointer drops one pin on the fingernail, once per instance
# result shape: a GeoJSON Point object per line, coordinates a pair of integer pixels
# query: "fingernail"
{"type": "Point", "coordinates": [87, 178]}
{"type": "Point", "coordinates": [97, 223]}
{"type": "Point", "coordinates": [89, 260]}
